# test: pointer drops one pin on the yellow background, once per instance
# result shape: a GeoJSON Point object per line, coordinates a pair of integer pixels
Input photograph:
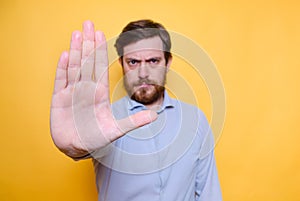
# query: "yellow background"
{"type": "Point", "coordinates": [255, 45]}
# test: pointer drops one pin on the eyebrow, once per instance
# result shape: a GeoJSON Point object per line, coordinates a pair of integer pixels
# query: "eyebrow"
{"type": "Point", "coordinates": [156, 58]}
{"type": "Point", "coordinates": [139, 60]}
{"type": "Point", "coordinates": [132, 59]}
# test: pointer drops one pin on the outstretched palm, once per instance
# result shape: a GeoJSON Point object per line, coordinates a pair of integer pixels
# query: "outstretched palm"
{"type": "Point", "coordinates": [81, 117]}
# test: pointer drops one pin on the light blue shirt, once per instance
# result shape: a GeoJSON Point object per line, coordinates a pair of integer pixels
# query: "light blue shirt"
{"type": "Point", "coordinates": [170, 159]}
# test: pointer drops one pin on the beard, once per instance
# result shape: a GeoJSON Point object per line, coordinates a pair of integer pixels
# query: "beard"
{"type": "Point", "coordinates": [145, 95]}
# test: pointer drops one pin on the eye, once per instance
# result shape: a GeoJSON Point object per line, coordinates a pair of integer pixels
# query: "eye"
{"type": "Point", "coordinates": [132, 62]}
{"type": "Point", "coordinates": [153, 61]}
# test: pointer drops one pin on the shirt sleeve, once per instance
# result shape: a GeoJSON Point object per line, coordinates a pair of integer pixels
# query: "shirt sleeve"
{"type": "Point", "coordinates": [207, 182]}
{"type": "Point", "coordinates": [87, 156]}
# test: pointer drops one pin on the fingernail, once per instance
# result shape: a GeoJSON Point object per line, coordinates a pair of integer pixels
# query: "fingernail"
{"type": "Point", "coordinates": [64, 58]}
{"type": "Point", "coordinates": [76, 36]}
{"type": "Point", "coordinates": [65, 55]}
{"type": "Point", "coordinates": [88, 30]}
{"type": "Point", "coordinates": [76, 40]}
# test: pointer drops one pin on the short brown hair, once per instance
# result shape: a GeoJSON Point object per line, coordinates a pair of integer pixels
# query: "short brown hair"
{"type": "Point", "coordinates": [143, 29]}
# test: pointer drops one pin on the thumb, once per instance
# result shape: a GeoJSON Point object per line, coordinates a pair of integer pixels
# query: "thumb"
{"type": "Point", "coordinates": [135, 121]}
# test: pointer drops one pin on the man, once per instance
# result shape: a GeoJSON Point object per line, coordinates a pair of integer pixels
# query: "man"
{"type": "Point", "coordinates": [159, 157]}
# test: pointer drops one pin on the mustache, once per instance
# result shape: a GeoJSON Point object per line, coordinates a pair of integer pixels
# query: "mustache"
{"type": "Point", "coordinates": [144, 81]}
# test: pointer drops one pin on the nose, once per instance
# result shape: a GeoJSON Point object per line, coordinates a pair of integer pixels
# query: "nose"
{"type": "Point", "coordinates": [143, 71]}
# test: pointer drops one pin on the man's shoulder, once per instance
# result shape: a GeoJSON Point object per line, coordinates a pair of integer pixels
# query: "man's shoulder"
{"type": "Point", "coordinates": [193, 115]}
{"type": "Point", "coordinates": [188, 108]}
{"type": "Point", "coordinates": [193, 121]}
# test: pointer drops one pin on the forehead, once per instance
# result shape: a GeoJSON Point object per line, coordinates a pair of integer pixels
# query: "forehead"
{"type": "Point", "coordinates": [144, 46]}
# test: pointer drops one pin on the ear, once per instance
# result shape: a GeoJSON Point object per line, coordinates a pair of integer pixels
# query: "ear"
{"type": "Point", "coordinates": [120, 61]}
{"type": "Point", "coordinates": [169, 63]}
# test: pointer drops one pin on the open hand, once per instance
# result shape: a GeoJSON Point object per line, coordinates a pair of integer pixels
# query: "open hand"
{"type": "Point", "coordinates": [81, 118]}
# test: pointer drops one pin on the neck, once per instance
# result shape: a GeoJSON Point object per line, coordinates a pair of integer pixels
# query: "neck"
{"type": "Point", "coordinates": [156, 105]}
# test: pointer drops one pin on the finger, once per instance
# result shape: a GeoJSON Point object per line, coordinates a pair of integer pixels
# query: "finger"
{"type": "Point", "coordinates": [75, 57]}
{"type": "Point", "coordinates": [135, 121]}
{"type": "Point", "coordinates": [61, 72]}
{"type": "Point", "coordinates": [87, 58]}
{"type": "Point", "coordinates": [101, 65]}
{"type": "Point", "coordinates": [101, 60]}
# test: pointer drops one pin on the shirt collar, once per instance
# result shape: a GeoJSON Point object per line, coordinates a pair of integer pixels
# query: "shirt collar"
{"type": "Point", "coordinates": [168, 102]}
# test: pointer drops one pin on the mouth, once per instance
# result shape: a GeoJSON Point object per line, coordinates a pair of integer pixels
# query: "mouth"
{"type": "Point", "coordinates": [143, 85]}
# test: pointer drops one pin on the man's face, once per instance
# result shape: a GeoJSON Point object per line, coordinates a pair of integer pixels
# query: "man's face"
{"type": "Point", "coordinates": [145, 69]}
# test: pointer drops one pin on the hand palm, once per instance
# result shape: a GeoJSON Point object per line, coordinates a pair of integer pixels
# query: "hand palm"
{"type": "Point", "coordinates": [81, 117]}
